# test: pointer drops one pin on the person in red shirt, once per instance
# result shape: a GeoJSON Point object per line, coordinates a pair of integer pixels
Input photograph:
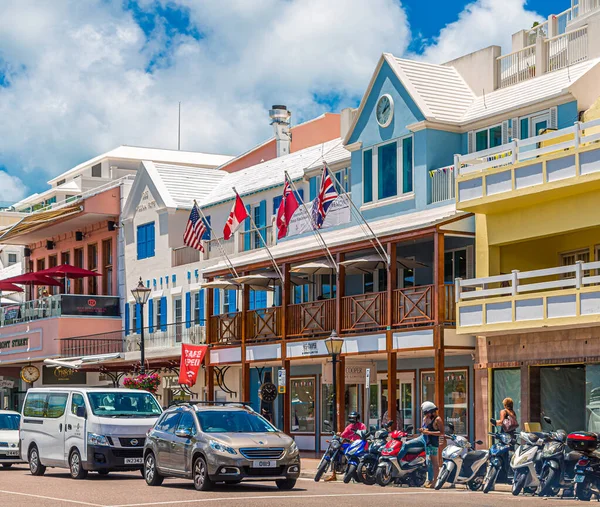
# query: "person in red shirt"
{"type": "Point", "coordinates": [349, 433]}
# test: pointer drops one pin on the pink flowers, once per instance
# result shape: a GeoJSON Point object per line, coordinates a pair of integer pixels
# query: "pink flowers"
{"type": "Point", "coordinates": [149, 382]}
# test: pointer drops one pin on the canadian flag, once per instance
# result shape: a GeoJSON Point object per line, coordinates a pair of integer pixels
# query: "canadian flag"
{"type": "Point", "coordinates": [236, 217]}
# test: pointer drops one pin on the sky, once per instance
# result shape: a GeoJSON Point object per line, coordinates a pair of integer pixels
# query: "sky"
{"type": "Point", "coordinates": [80, 77]}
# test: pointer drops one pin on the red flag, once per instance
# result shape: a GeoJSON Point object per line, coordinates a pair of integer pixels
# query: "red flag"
{"type": "Point", "coordinates": [287, 207]}
{"type": "Point", "coordinates": [191, 360]}
{"type": "Point", "coordinates": [236, 217]}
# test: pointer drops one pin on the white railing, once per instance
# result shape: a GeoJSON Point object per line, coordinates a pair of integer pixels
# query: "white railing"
{"type": "Point", "coordinates": [562, 20]}
{"type": "Point", "coordinates": [169, 336]}
{"type": "Point", "coordinates": [540, 30]}
{"type": "Point", "coordinates": [213, 251]}
{"type": "Point", "coordinates": [581, 8]}
{"type": "Point", "coordinates": [184, 255]}
{"type": "Point", "coordinates": [516, 67]}
{"type": "Point", "coordinates": [442, 184]}
{"type": "Point", "coordinates": [567, 49]}
{"type": "Point", "coordinates": [520, 150]}
{"type": "Point", "coordinates": [576, 276]}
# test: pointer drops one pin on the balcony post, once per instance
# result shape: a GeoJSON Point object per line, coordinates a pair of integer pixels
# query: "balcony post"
{"type": "Point", "coordinates": [392, 275]}
{"type": "Point", "coordinates": [541, 59]}
{"type": "Point", "coordinates": [438, 328]}
{"type": "Point", "coordinates": [339, 292]}
{"type": "Point", "coordinates": [286, 291]}
{"type": "Point", "coordinates": [208, 312]}
{"type": "Point", "coordinates": [578, 274]}
{"type": "Point", "coordinates": [515, 282]}
{"type": "Point", "coordinates": [577, 134]}
{"type": "Point", "coordinates": [245, 332]}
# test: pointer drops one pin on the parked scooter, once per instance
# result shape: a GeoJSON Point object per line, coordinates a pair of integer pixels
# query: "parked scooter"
{"type": "Point", "coordinates": [558, 464]}
{"type": "Point", "coordinates": [587, 470]}
{"type": "Point", "coordinates": [334, 457]}
{"type": "Point", "coordinates": [367, 468]}
{"type": "Point", "coordinates": [354, 452]}
{"type": "Point", "coordinates": [499, 464]}
{"type": "Point", "coordinates": [526, 461]}
{"type": "Point", "coordinates": [410, 468]}
{"type": "Point", "coordinates": [462, 463]}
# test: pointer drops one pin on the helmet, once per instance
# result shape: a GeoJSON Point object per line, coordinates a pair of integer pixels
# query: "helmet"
{"type": "Point", "coordinates": [428, 407]}
{"type": "Point", "coordinates": [354, 417]}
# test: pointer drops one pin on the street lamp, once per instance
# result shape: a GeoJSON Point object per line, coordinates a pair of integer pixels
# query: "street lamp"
{"type": "Point", "coordinates": [334, 347]}
{"type": "Point", "coordinates": [141, 295]}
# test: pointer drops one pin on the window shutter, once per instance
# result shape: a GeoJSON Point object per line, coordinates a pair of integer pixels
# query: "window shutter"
{"type": "Point", "coordinates": [252, 300]}
{"type": "Point", "coordinates": [553, 118]}
{"type": "Point", "coordinates": [276, 204]}
{"type": "Point", "coordinates": [505, 132]}
{"type": "Point", "coordinates": [206, 235]}
{"type": "Point", "coordinates": [126, 319]}
{"type": "Point", "coordinates": [514, 133]}
{"type": "Point", "coordinates": [151, 315]}
{"type": "Point", "coordinates": [312, 188]}
{"type": "Point", "coordinates": [150, 240]}
{"type": "Point", "coordinates": [232, 301]}
{"type": "Point", "coordinates": [141, 242]}
{"type": "Point", "coordinates": [277, 296]}
{"type": "Point", "coordinates": [470, 141]}
{"type": "Point", "coordinates": [188, 309]}
{"type": "Point", "coordinates": [300, 196]}
{"type": "Point", "coordinates": [262, 219]}
{"type": "Point", "coordinates": [138, 318]}
{"type": "Point", "coordinates": [217, 302]}
{"type": "Point", "coordinates": [163, 313]}
{"type": "Point", "coordinates": [247, 227]}
{"type": "Point", "coordinates": [201, 307]}
{"type": "Point", "coordinates": [261, 299]}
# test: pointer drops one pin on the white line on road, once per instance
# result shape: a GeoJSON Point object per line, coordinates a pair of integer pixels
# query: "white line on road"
{"type": "Point", "coordinates": [52, 498]}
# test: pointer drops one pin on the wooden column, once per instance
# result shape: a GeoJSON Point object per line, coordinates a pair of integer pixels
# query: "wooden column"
{"type": "Point", "coordinates": [210, 381]}
{"type": "Point", "coordinates": [287, 405]}
{"type": "Point", "coordinates": [244, 332]}
{"type": "Point", "coordinates": [286, 294]}
{"type": "Point", "coordinates": [340, 292]}
{"type": "Point", "coordinates": [208, 312]}
{"type": "Point", "coordinates": [341, 393]}
{"type": "Point", "coordinates": [392, 372]}
{"type": "Point", "coordinates": [392, 282]}
{"type": "Point", "coordinates": [438, 329]}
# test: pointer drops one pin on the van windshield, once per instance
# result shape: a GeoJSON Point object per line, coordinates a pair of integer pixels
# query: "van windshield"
{"type": "Point", "coordinates": [9, 422]}
{"type": "Point", "coordinates": [115, 404]}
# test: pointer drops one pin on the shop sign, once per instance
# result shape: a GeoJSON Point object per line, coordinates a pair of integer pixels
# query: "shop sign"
{"type": "Point", "coordinates": [354, 373]}
{"type": "Point", "coordinates": [21, 342]}
{"type": "Point", "coordinates": [7, 384]}
{"type": "Point", "coordinates": [307, 349]}
{"type": "Point", "coordinates": [171, 382]}
{"type": "Point", "coordinates": [101, 306]}
{"type": "Point", "coordinates": [15, 343]}
{"type": "Point", "coordinates": [63, 376]}
{"type": "Point", "coordinates": [281, 381]}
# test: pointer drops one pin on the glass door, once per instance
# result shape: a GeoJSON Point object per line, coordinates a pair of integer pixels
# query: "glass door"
{"type": "Point", "coordinates": [405, 384]}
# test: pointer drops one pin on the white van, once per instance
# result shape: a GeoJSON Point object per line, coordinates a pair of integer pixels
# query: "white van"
{"type": "Point", "coordinates": [86, 429]}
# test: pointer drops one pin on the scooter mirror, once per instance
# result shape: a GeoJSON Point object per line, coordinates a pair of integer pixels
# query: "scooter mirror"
{"type": "Point", "coordinates": [451, 426]}
{"type": "Point", "coordinates": [547, 419]}
{"type": "Point", "coordinates": [409, 429]}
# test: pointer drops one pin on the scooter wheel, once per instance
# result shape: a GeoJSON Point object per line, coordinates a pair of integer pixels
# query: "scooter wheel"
{"type": "Point", "coordinates": [442, 478]}
{"type": "Point", "coordinates": [490, 480]}
{"type": "Point", "coordinates": [518, 483]}
{"type": "Point", "coordinates": [583, 491]}
{"type": "Point", "coordinates": [321, 470]}
{"type": "Point", "coordinates": [350, 472]}
{"type": "Point", "coordinates": [364, 475]}
{"type": "Point", "coordinates": [382, 477]}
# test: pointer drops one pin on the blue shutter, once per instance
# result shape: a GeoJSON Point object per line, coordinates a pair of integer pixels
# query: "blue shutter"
{"type": "Point", "coordinates": [300, 196]}
{"type": "Point", "coordinates": [312, 188]}
{"type": "Point", "coordinates": [247, 227]}
{"type": "Point", "coordinates": [141, 242]}
{"type": "Point", "coordinates": [261, 299]}
{"type": "Point", "coordinates": [276, 203]}
{"type": "Point", "coordinates": [367, 176]}
{"type": "Point", "coordinates": [217, 302]}
{"type": "Point", "coordinates": [262, 220]}
{"type": "Point", "coordinates": [188, 309]}
{"type": "Point", "coordinates": [150, 240]}
{"type": "Point", "coordinates": [126, 318]}
{"type": "Point", "coordinates": [201, 307]}
{"type": "Point", "coordinates": [163, 313]}
{"type": "Point", "coordinates": [138, 318]}
{"type": "Point", "coordinates": [252, 300]}
{"type": "Point", "coordinates": [233, 301]}
{"type": "Point", "coordinates": [151, 315]}
{"type": "Point", "coordinates": [277, 296]}
{"type": "Point", "coordinates": [206, 235]}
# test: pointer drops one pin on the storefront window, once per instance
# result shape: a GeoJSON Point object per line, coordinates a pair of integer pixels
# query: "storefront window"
{"type": "Point", "coordinates": [507, 384]}
{"type": "Point", "coordinates": [455, 397]}
{"type": "Point", "coordinates": [302, 392]}
{"type": "Point", "coordinates": [592, 397]}
{"type": "Point", "coordinates": [327, 408]}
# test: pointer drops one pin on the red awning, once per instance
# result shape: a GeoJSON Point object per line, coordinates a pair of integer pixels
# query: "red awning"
{"type": "Point", "coordinates": [32, 279]}
{"type": "Point", "coordinates": [67, 271]}
{"type": "Point", "coordinates": [10, 287]}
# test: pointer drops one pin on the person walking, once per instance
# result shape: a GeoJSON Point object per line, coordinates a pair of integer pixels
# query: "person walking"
{"type": "Point", "coordinates": [433, 428]}
{"type": "Point", "coordinates": [349, 433]}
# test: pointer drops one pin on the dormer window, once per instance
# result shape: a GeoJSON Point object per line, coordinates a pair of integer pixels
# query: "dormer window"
{"type": "Point", "coordinates": [97, 171]}
{"type": "Point", "coordinates": [60, 182]}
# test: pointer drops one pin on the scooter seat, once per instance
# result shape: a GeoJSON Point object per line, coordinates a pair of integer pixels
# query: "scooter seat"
{"type": "Point", "coordinates": [414, 446]}
{"type": "Point", "coordinates": [476, 455]}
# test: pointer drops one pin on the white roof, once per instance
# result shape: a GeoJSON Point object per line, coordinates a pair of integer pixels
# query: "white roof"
{"type": "Point", "coordinates": [154, 154]}
{"type": "Point", "coordinates": [272, 173]}
{"type": "Point", "coordinates": [347, 235]}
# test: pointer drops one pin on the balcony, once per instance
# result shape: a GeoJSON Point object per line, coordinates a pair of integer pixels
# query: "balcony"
{"type": "Point", "coordinates": [525, 301]}
{"type": "Point", "coordinates": [528, 171]}
{"type": "Point", "coordinates": [166, 336]}
{"type": "Point", "coordinates": [442, 185]}
{"type": "Point", "coordinates": [58, 306]}
{"type": "Point", "coordinates": [93, 345]}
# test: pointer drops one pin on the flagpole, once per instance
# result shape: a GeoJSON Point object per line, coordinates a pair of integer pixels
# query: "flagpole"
{"type": "Point", "coordinates": [228, 260]}
{"type": "Point", "coordinates": [253, 224]}
{"type": "Point", "coordinates": [315, 229]}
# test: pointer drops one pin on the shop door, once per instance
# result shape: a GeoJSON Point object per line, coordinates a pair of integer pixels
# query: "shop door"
{"type": "Point", "coordinates": [405, 384]}
{"type": "Point", "coordinates": [562, 397]}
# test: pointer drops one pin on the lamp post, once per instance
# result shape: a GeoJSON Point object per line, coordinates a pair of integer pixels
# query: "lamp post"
{"type": "Point", "coordinates": [334, 347]}
{"type": "Point", "coordinates": [141, 295]}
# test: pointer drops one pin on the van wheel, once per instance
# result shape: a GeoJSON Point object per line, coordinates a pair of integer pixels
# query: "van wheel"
{"type": "Point", "coordinates": [153, 478]}
{"type": "Point", "coordinates": [35, 467]}
{"type": "Point", "coordinates": [202, 481]}
{"type": "Point", "coordinates": [76, 467]}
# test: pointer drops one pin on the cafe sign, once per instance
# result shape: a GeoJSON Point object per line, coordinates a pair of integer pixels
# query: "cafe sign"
{"type": "Point", "coordinates": [63, 376]}
{"type": "Point", "coordinates": [95, 306]}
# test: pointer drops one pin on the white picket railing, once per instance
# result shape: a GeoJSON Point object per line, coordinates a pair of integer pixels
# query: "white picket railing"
{"type": "Point", "coordinates": [520, 150]}
{"type": "Point", "coordinates": [540, 30]}
{"type": "Point", "coordinates": [567, 49]}
{"type": "Point", "coordinates": [576, 276]}
{"type": "Point", "coordinates": [581, 8]}
{"type": "Point", "coordinates": [442, 184]}
{"type": "Point", "coordinates": [516, 67]}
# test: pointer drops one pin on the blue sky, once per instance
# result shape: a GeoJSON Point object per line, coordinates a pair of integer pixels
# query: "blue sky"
{"type": "Point", "coordinates": [80, 78]}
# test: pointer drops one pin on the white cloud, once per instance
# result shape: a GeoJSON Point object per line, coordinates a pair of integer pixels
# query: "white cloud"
{"type": "Point", "coordinates": [12, 189]}
{"type": "Point", "coordinates": [482, 23]}
{"type": "Point", "coordinates": [79, 83]}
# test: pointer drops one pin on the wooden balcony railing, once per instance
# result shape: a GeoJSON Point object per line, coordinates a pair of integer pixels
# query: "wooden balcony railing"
{"type": "Point", "coordinates": [450, 304]}
{"type": "Point", "coordinates": [226, 328]}
{"type": "Point", "coordinates": [413, 306]}
{"type": "Point", "coordinates": [364, 312]}
{"type": "Point", "coordinates": [316, 318]}
{"type": "Point", "coordinates": [264, 324]}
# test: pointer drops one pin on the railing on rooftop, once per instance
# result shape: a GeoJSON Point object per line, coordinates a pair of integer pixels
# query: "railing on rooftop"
{"type": "Point", "coordinates": [567, 49]}
{"type": "Point", "coordinates": [516, 67]}
{"type": "Point", "coordinates": [442, 184]}
{"type": "Point", "coordinates": [540, 30]}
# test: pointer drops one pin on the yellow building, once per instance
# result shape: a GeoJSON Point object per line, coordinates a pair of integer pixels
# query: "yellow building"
{"type": "Point", "coordinates": [535, 304]}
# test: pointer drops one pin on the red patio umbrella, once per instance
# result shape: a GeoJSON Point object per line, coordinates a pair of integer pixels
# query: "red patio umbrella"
{"type": "Point", "coordinates": [10, 287]}
{"type": "Point", "coordinates": [33, 278]}
{"type": "Point", "coordinates": [67, 271]}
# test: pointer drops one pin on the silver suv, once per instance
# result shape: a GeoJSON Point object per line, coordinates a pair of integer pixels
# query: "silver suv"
{"type": "Point", "coordinates": [219, 442]}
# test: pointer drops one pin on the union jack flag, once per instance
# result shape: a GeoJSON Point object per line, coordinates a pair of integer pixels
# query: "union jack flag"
{"type": "Point", "coordinates": [327, 194]}
{"type": "Point", "coordinates": [194, 230]}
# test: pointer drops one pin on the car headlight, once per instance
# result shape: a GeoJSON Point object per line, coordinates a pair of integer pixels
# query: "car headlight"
{"type": "Point", "coordinates": [94, 439]}
{"type": "Point", "coordinates": [218, 446]}
{"type": "Point", "coordinates": [293, 448]}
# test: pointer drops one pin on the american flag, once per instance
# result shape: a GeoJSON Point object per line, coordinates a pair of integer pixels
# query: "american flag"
{"type": "Point", "coordinates": [194, 230]}
{"type": "Point", "coordinates": [327, 194]}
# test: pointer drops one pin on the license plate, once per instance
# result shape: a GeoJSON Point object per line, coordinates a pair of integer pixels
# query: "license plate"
{"type": "Point", "coordinates": [134, 461]}
{"type": "Point", "coordinates": [263, 464]}
{"type": "Point", "coordinates": [579, 478]}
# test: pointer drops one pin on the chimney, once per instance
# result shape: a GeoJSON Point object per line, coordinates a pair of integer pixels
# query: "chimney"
{"type": "Point", "coordinates": [346, 120]}
{"type": "Point", "coordinates": [280, 119]}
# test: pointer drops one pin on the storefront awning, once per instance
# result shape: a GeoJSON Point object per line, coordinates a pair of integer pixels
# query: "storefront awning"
{"type": "Point", "coordinates": [38, 220]}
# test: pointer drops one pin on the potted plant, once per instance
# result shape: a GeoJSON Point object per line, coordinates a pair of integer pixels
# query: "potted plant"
{"type": "Point", "coordinates": [145, 382]}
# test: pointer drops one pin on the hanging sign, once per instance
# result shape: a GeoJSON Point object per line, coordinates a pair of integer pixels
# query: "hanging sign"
{"type": "Point", "coordinates": [281, 381]}
{"type": "Point", "coordinates": [191, 360]}
{"type": "Point", "coordinates": [7, 384]}
{"type": "Point", "coordinates": [337, 214]}
{"type": "Point", "coordinates": [368, 377]}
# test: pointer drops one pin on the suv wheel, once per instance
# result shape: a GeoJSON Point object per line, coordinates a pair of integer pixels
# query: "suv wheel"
{"type": "Point", "coordinates": [153, 478]}
{"type": "Point", "coordinates": [35, 467]}
{"type": "Point", "coordinates": [201, 480]}
{"type": "Point", "coordinates": [76, 467]}
{"type": "Point", "coordinates": [286, 484]}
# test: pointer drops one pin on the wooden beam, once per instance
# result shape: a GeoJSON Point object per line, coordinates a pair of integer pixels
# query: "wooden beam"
{"type": "Point", "coordinates": [339, 292]}
{"type": "Point", "coordinates": [392, 282]}
{"type": "Point", "coordinates": [286, 297]}
{"type": "Point", "coordinates": [208, 311]}
{"type": "Point", "coordinates": [392, 370]}
{"type": "Point", "coordinates": [438, 329]}
{"type": "Point", "coordinates": [287, 405]}
{"type": "Point", "coordinates": [341, 393]}
{"type": "Point", "coordinates": [244, 332]}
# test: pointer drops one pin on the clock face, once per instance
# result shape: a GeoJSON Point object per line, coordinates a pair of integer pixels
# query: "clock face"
{"type": "Point", "coordinates": [30, 374]}
{"type": "Point", "coordinates": [267, 392]}
{"type": "Point", "coordinates": [385, 110]}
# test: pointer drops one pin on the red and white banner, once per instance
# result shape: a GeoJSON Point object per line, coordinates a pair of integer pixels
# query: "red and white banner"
{"type": "Point", "coordinates": [191, 360]}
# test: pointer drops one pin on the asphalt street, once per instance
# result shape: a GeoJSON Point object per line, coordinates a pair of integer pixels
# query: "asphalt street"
{"type": "Point", "coordinates": [20, 489]}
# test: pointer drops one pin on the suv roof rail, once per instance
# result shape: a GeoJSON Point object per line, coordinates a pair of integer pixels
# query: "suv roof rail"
{"type": "Point", "coordinates": [244, 404]}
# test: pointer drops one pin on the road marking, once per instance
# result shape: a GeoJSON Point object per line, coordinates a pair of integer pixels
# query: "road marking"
{"type": "Point", "coordinates": [279, 497]}
{"type": "Point", "coordinates": [52, 498]}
